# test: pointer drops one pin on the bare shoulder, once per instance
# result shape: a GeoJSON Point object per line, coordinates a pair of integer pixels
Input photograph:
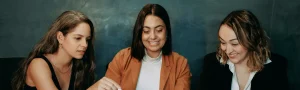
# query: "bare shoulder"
{"type": "Point", "coordinates": [38, 68]}
{"type": "Point", "coordinates": [38, 64]}
{"type": "Point", "coordinates": [40, 75]}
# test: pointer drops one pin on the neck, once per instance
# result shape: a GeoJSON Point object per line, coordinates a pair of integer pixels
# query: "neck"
{"type": "Point", "coordinates": [242, 65]}
{"type": "Point", "coordinates": [60, 59]}
{"type": "Point", "coordinates": [153, 54]}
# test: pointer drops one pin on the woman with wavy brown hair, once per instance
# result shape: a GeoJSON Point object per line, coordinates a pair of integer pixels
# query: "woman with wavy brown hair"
{"type": "Point", "coordinates": [63, 59]}
{"type": "Point", "coordinates": [243, 60]}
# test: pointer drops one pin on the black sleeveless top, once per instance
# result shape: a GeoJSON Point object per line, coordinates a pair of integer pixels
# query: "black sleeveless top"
{"type": "Point", "coordinates": [71, 84]}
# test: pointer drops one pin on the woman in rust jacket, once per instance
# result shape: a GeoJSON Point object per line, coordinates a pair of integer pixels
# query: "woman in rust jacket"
{"type": "Point", "coordinates": [150, 63]}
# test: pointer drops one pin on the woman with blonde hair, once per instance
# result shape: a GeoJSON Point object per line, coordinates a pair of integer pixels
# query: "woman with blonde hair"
{"type": "Point", "coordinates": [243, 60]}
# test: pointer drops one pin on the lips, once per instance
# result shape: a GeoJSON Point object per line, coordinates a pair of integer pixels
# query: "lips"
{"type": "Point", "coordinates": [231, 55]}
{"type": "Point", "coordinates": [81, 51]}
{"type": "Point", "coordinates": [153, 43]}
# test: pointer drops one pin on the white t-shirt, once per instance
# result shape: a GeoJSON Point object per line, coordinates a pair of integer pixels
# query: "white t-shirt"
{"type": "Point", "coordinates": [149, 77]}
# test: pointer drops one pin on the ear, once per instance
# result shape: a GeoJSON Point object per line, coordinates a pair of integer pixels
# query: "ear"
{"type": "Point", "coordinates": [60, 37]}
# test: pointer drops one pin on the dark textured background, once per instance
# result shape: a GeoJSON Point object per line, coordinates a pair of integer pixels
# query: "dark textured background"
{"type": "Point", "coordinates": [194, 28]}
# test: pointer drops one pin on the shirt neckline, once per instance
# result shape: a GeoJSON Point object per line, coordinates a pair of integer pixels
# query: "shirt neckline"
{"type": "Point", "coordinates": [147, 58]}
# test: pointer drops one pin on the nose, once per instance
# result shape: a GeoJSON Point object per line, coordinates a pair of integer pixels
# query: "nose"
{"type": "Point", "coordinates": [153, 34]}
{"type": "Point", "coordinates": [228, 49]}
{"type": "Point", "coordinates": [84, 43]}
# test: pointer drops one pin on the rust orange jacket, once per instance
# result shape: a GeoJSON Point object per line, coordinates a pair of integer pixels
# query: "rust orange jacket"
{"type": "Point", "coordinates": [125, 69]}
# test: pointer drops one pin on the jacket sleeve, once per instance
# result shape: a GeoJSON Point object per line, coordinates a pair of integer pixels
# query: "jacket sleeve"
{"type": "Point", "coordinates": [114, 68]}
{"type": "Point", "coordinates": [184, 79]}
{"type": "Point", "coordinates": [206, 76]}
{"type": "Point", "coordinates": [282, 75]}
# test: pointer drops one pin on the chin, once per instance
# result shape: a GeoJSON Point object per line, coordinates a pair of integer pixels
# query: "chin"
{"type": "Point", "coordinates": [153, 49]}
{"type": "Point", "coordinates": [78, 57]}
{"type": "Point", "coordinates": [234, 61]}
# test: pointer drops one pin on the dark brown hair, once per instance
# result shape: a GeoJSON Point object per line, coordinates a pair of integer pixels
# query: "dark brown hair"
{"type": "Point", "coordinates": [84, 68]}
{"type": "Point", "coordinates": [250, 35]}
{"type": "Point", "coordinates": [137, 47]}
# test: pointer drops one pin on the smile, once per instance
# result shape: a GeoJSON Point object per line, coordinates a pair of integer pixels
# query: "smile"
{"type": "Point", "coordinates": [153, 43]}
{"type": "Point", "coordinates": [231, 55]}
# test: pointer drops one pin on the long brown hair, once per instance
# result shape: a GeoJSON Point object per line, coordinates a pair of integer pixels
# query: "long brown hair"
{"type": "Point", "coordinates": [250, 35]}
{"type": "Point", "coordinates": [137, 46]}
{"type": "Point", "coordinates": [84, 74]}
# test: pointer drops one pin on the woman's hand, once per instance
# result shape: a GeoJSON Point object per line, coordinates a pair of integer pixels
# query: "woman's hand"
{"type": "Point", "coordinates": [105, 84]}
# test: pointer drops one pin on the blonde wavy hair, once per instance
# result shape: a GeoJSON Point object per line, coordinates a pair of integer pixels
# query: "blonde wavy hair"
{"type": "Point", "coordinates": [250, 35]}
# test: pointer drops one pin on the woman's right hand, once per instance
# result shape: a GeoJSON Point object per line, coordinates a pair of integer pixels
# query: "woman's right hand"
{"type": "Point", "coordinates": [105, 84]}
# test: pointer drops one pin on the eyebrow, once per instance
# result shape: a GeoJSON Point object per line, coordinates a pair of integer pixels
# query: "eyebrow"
{"type": "Point", "coordinates": [155, 26]}
{"type": "Point", "coordinates": [233, 39]}
{"type": "Point", "coordinates": [229, 40]}
{"type": "Point", "coordinates": [81, 35]}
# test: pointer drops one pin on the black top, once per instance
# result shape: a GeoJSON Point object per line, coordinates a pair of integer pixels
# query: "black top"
{"type": "Point", "coordinates": [71, 85]}
{"type": "Point", "coordinates": [216, 76]}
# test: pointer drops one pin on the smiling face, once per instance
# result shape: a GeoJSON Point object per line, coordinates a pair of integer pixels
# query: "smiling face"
{"type": "Point", "coordinates": [153, 34]}
{"type": "Point", "coordinates": [230, 45]}
{"type": "Point", "coordinates": [75, 42]}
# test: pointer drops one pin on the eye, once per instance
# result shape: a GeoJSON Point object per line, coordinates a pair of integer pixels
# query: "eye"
{"type": "Point", "coordinates": [222, 43]}
{"type": "Point", "coordinates": [234, 44]}
{"type": "Point", "coordinates": [145, 31]}
{"type": "Point", "coordinates": [159, 30]}
{"type": "Point", "coordinates": [88, 39]}
{"type": "Point", "coordinates": [77, 38]}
